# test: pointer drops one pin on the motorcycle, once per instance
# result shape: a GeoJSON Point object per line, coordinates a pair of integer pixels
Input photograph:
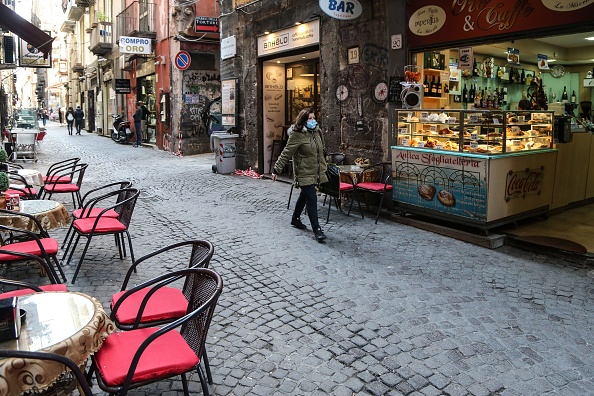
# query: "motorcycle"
{"type": "Point", "coordinates": [121, 131]}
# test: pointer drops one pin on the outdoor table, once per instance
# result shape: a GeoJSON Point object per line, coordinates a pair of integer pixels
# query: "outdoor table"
{"type": "Point", "coordinates": [32, 177]}
{"type": "Point", "coordinates": [354, 171]}
{"type": "Point", "coordinates": [67, 323]}
{"type": "Point", "coordinates": [51, 214]}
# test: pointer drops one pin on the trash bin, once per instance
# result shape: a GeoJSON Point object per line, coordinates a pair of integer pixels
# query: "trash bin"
{"type": "Point", "coordinates": [223, 146]}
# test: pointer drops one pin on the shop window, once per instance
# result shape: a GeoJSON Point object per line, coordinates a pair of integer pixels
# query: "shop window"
{"type": "Point", "coordinates": [303, 87]}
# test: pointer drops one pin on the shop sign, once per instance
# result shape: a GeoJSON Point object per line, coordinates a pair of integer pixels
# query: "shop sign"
{"type": "Point", "coordinates": [135, 45]}
{"type": "Point", "coordinates": [286, 40]}
{"type": "Point", "coordinates": [465, 58]}
{"type": "Point", "coordinates": [228, 47]}
{"type": "Point", "coordinates": [206, 25]}
{"type": "Point", "coordinates": [339, 9]}
{"type": "Point", "coordinates": [523, 183]}
{"type": "Point", "coordinates": [30, 56]}
{"type": "Point", "coordinates": [460, 20]}
{"type": "Point", "coordinates": [122, 86]}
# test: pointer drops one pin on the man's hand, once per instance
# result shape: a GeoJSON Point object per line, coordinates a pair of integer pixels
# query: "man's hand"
{"type": "Point", "coordinates": [274, 175]}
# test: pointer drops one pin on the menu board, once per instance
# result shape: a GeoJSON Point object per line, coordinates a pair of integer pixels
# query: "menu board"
{"type": "Point", "coordinates": [394, 90]}
{"type": "Point", "coordinates": [229, 102]}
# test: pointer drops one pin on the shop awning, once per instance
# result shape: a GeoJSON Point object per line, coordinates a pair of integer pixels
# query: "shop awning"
{"type": "Point", "coordinates": [55, 87]}
{"type": "Point", "coordinates": [25, 30]}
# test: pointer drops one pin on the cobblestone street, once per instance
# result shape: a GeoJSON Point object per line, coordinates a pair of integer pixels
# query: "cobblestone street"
{"type": "Point", "coordinates": [382, 309]}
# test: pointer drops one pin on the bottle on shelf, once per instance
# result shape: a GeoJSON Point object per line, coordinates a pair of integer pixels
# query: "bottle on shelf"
{"type": "Point", "coordinates": [504, 96]}
{"type": "Point", "coordinates": [475, 70]}
{"type": "Point", "coordinates": [471, 94]}
{"type": "Point", "coordinates": [433, 90]}
{"type": "Point", "coordinates": [489, 101]}
{"type": "Point", "coordinates": [522, 77]}
{"type": "Point", "coordinates": [511, 75]}
{"type": "Point", "coordinates": [573, 98]}
{"type": "Point", "coordinates": [495, 99]}
{"type": "Point", "coordinates": [439, 87]}
{"type": "Point", "coordinates": [464, 94]}
{"type": "Point", "coordinates": [499, 73]}
{"type": "Point", "coordinates": [564, 97]}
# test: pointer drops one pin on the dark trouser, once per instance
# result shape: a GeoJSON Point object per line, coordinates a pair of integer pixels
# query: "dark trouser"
{"type": "Point", "coordinates": [78, 126]}
{"type": "Point", "coordinates": [308, 196]}
{"type": "Point", "coordinates": [138, 132]}
{"type": "Point", "coordinates": [70, 127]}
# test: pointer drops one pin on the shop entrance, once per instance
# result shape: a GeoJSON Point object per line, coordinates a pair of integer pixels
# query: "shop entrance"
{"type": "Point", "coordinates": [146, 93]}
{"type": "Point", "coordinates": [290, 84]}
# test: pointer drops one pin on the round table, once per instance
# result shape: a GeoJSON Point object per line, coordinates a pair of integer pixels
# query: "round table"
{"type": "Point", "coordinates": [67, 323]}
{"type": "Point", "coordinates": [51, 214]}
{"type": "Point", "coordinates": [32, 176]}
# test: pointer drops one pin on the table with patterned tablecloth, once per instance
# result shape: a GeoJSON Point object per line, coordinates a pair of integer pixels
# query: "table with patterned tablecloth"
{"type": "Point", "coordinates": [51, 214]}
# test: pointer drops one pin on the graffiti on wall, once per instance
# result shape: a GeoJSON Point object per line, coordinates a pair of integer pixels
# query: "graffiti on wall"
{"type": "Point", "coordinates": [201, 91]}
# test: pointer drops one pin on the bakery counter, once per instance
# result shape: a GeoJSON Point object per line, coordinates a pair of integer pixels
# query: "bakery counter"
{"type": "Point", "coordinates": [471, 188]}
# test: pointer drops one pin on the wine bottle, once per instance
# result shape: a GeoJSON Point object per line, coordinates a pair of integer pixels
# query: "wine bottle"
{"type": "Point", "coordinates": [522, 77]}
{"type": "Point", "coordinates": [475, 71]}
{"type": "Point", "coordinates": [439, 88]}
{"type": "Point", "coordinates": [504, 96]}
{"type": "Point", "coordinates": [573, 98]}
{"type": "Point", "coordinates": [489, 102]}
{"type": "Point", "coordinates": [471, 94]}
{"type": "Point", "coordinates": [499, 73]}
{"type": "Point", "coordinates": [564, 97]}
{"type": "Point", "coordinates": [465, 94]}
{"type": "Point", "coordinates": [495, 99]}
{"type": "Point", "coordinates": [433, 87]}
{"type": "Point", "coordinates": [511, 75]}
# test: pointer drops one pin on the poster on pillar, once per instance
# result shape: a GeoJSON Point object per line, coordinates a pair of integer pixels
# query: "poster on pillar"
{"type": "Point", "coordinates": [201, 90]}
{"type": "Point", "coordinates": [274, 110]}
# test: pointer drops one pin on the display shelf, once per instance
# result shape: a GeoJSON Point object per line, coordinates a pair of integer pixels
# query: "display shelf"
{"type": "Point", "coordinates": [489, 132]}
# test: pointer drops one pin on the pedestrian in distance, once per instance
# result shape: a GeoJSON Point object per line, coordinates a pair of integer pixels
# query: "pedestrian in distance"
{"type": "Point", "coordinates": [306, 146]}
{"type": "Point", "coordinates": [144, 121]}
{"type": "Point", "coordinates": [137, 124]}
{"type": "Point", "coordinates": [79, 116]}
{"type": "Point", "coordinates": [60, 115]}
{"type": "Point", "coordinates": [70, 119]}
{"type": "Point", "coordinates": [44, 116]}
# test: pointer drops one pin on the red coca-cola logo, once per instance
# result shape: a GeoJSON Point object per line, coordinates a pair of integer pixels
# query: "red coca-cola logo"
{"type": "Point", "coordinates": [524, 183]}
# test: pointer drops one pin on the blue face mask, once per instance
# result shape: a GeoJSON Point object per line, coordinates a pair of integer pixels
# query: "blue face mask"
{"type": "Point", "coordinates": [311, 124]}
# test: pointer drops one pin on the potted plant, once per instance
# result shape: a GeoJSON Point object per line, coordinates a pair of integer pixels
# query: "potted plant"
{"type": "Point", "coordinates": [3, 161]}
{"type": "Point", "coordinates": [4, 185]}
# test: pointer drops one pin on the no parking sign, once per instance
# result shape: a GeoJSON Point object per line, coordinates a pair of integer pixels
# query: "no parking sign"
{"type": "Point", "coordinates": [182, 60]}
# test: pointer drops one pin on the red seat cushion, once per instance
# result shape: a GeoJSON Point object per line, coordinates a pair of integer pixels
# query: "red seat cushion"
{"type": "Point", "coordinates": [50, 245]}
{"type": "Point", "coordinates": [56, 179]}
{"type": "Point", "coordinates": [21, 193]}
{"type": "Point", "coordinates": [77, 214]}
{"type": "Point", "coordinates": [60, 287]}
{"type": "Point", "coordinates": [166, 303]}
{"type": "Point", "coordinates": [61, 188]}
{"type": "Point", "coordinates": [345, 186]}
{"type": "Point", "coordinates": [105, 224]}
{"type": "Point", "coordinates": [166, 356]}
{"type": "Point", "coordinates": [374, 186]}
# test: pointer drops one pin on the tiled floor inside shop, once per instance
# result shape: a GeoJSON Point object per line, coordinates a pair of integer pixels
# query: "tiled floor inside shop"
{"type": "Point", "coordinates": [574, 225]}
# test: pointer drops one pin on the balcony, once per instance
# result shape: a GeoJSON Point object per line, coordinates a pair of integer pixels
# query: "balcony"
{"type": "Point", "coordinates": [68, 26]}
{"type": "Point", "coordinates": [74, 12]}
{"type": "Point", "coordinates": [101, 39]}
{"type": "Point", "coordinates": [137, 20]}
{"type": "Point", "coordinates": [78, 68]}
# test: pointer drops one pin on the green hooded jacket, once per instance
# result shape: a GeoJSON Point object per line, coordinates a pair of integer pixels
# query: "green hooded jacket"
{"type": "Point", "coordinates": [306, 147]}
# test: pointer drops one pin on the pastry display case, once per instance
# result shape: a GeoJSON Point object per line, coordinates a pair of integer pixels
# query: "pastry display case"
{"type": "Point", "coordinates": [475, 131]}
{"type": "Point", "coordinates": [483, 168]}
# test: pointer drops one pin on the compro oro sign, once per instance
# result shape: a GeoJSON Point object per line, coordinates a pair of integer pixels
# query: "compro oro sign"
{"type": "Point", "coordinates": [289, 39]}
{"type": "Point", "coordinates": [338, 9]}
{"type": "Point", "coordinates": [135, 45]}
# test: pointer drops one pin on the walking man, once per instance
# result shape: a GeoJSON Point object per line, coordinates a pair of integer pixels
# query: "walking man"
{"type": "Point", "coordinates": [79, 115]}
{"type": "Point", "coordinates": [137, 124]}
{"type": "Point", "coordinates": [144, 121]}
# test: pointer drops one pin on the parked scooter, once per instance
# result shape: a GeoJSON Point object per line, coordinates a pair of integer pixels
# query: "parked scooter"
{"type": "Point", "coordinates": [121, 131]}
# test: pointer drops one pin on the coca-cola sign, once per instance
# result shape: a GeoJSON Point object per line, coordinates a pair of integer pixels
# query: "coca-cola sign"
{"type": "Point", "coordinates": [522, 184]}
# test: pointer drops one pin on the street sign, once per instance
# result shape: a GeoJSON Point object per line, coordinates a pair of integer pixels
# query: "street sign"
{"type": "Point", "coordinates": [182, 60]}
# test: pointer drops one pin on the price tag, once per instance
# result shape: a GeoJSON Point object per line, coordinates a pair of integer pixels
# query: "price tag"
{"type": "Point", "coordinates": [517, 143]}
{"type": "Point", "coordinates": [404, 142]}
{"type": "Point", "coordinates": [496, 121]}
{"type": "Point", "coordinates": [451, 120]}
{"type": "Point", "coordinates": [433, 129]}
{"type": "Point", "coordinates": [474, 145]}
{"type": "Point", "coordinates": [421, 144]}
{"type": "Point", "coordinates": [424, 115]}
{"type": "Point", "coordinates": [474, 136]}
{"type": "Point", "coordinates": [403, 131]}
{"type": "Point", "coordinates": [439, 146]}
{"type": "Point", "coordinates": [474, 119]}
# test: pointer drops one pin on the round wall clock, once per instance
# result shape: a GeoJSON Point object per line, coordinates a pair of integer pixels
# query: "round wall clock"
{"type": "Point", "coordinates": [342, 92]}
{"type": "Point", "coordinates": [380, 91]}
{"type": "Point", "coordinates": [557, 71]}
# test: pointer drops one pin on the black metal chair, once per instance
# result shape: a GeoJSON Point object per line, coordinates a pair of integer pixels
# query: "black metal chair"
{"type": "Point", "coordinates": [380, 187]}
{"type": "Point", "coordinates": [336, 189]}
{"type": "Point", "coordinates": [76, 175]}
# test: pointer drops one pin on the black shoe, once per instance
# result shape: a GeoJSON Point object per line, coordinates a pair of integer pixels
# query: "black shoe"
{"type": "Point", "coordinates": [320, 236]}
{"type": "Point", "coordinates": [298, 224]}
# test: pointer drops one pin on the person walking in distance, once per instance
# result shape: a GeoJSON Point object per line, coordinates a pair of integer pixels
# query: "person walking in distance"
{"type": "Point", "coordinates": [60, 115]}
{"type": "Point", "coordinates": [306, 146]}
{"type": "Point", "coordinates": [144, 121]}
{"type": "Point", "coordinates": [137, 124]}
{"type": "Point", "coordinates": [79, 116]}
{"type": "Point", "coordinates": [70, 119]}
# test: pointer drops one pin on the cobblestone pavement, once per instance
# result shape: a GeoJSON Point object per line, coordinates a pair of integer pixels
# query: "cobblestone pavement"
{"type": "Point", "coordinates": [382, 309]}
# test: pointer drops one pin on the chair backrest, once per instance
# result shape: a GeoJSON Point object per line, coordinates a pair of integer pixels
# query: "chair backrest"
{"type": "Point", "coordinates": [62, 165]}
{"type": "Point", "coordinates": [29, 364]}
{"type": "Point", "coordinates": [332, 187]}
{"type": "Point", "coordinates": [336, 158]}
{"type": "Point", "coordinates": [383, 170]}
{"type": "Point", "coordinates": [26, 138]}
{"type": "Point", "coordinates": [78, 173]}
{"type": "Point", "coordinates": [99, 191]}
{"type": "Point", "coordinates": [19, 183]}
{"type": "Point", "coordinates": [200, 254]}
{"type": "Point", "coordinates": [126, 206]}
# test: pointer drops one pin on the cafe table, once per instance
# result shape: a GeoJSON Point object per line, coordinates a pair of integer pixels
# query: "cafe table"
{"type": "Point", "coordinates": [67, 323]}
{"type": "Point", "coordinates": [354, 172]}
{"type": "Point", "coordinates": [51, 214]}
{"type": "Point", "coordinates": [32, 177]}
